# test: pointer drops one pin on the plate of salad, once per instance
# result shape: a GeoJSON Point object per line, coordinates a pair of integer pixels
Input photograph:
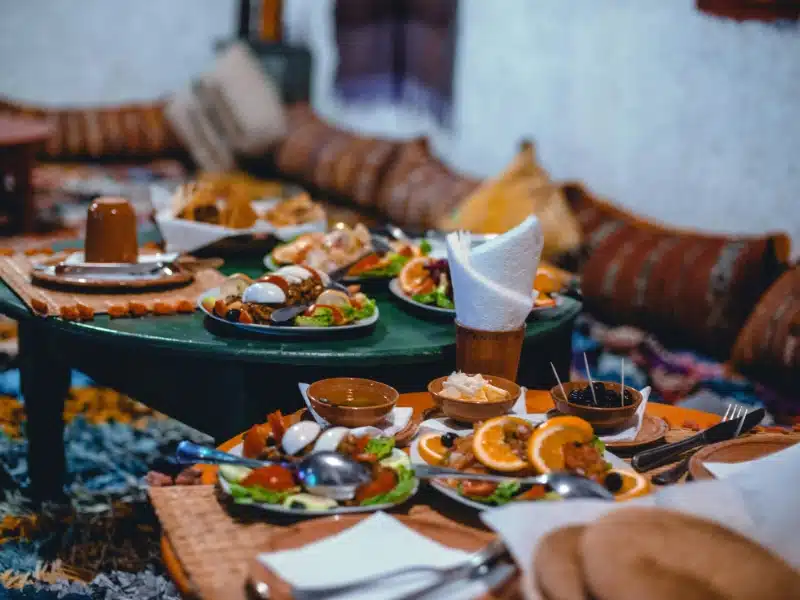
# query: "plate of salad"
{"type": "Point", "coordinates": [342, 246]}
{"type": "Point", "coordinates": [274, 488]}
{"type": "Point", "coordinates": [517, 446]}
{"type": "Point", "coordinates": [249, 304]}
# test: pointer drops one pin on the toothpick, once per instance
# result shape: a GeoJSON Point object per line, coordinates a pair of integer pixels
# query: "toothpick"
{"type": "Point", "coordinates": [589, 375]}
{"type": "Point", "coordinates": [558, 379]}
{"type": "Point", "coordinates": [622, 385]}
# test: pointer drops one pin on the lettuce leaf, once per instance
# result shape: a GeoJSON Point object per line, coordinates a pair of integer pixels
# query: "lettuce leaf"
{"type": "Point", "coordinates": [425, 247]}
{"type": "Point", "coordinates": [598, 445]}
{"type": "Point", "coordinates": [256, 493]}
{"type": "Point", "coordinates": [392, 269]}
{"type": "Point", "coordinates": [322, 317]}
{"type": "Point", "coordinates": [366, 311]}
{"type": "Point", "coordinates": [504, 494]}
{"type": "Point", "coordinates": [381, 447]}
{"type": "Point", "coordinates": [436, 298]}
{"type": "Point", "coordinates": [406, 482]}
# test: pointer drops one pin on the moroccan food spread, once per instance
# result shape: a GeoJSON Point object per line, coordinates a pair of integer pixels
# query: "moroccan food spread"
{"type": "Point", "coordinates": [343, 246]}
{"type": "Point", "coordinates": [515, 447]}
{"type": "Point", "coordinates": [392, 480]}
{"type": "Point", "coordinates": [242, 300]}
{"type": "Point", "coordinates": [232, 202]}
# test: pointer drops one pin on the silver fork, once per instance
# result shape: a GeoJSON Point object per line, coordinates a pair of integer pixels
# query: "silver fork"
{"type": "Point", "coordinates": [672, 475]}
{"type": "Point", "coordinates": [490, 552]}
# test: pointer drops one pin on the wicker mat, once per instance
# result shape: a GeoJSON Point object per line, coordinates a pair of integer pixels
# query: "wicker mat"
{"type": "Point", "coordinates": [14, 270]}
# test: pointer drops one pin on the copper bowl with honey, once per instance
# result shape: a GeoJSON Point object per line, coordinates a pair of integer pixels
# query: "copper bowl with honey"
{"type": "Point", "coordinates": [352, 402]}
{"type": "Point", "coordinates": [111, 232]}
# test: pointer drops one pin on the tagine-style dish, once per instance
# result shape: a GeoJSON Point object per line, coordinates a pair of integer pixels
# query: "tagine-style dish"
{"type": "Point", "coordinates": [241, 202]}
{"type": "Point", "coordinates": [426, 280]}
{"type": "Point", "coordinates": [513, 446]}
{"type": "Point", "coordinates": [344, 246]}
{"type": "Point", "coordinates": [276, 488]}
{"type": "Point", "coordinates": [290, 297]}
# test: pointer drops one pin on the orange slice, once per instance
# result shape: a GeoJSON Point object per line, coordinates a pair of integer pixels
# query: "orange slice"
{"type": "Point", "coordinates": [491, 449]}
{"type": "Point", "coordinates": [415, 277]}
{"type": "Point", "coordinates": [431, 449]}
{"type": "Point", "coordinates": [544, 446]}
{"type": "Point", "coordinates": [633, 485]}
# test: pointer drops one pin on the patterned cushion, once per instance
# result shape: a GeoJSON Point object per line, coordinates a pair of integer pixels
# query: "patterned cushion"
{"type": "Point", "coordinates": [125, 131]}
{"type": "Point", "coordinates": [768, 347]}
{"type": "Point", "coordinates": [418, 190]}
{"type": "Point", "coordinates": [690, 288]}
{"type": "Point", "coordinates": [503, 202]}
{"type": "Point", "coordinates": [333, 159]}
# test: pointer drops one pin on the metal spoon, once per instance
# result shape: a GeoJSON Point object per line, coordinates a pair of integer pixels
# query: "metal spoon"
{"type": "Point", "coordinates": [565, 485]}
{"type": "Point", "coordinates": [284, 315]}
{"type": "Point", "coordinates": [328, 474]}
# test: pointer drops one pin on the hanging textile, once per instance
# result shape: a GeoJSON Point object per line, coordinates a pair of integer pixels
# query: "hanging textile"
{"type": "Point", "coordinates": [400, 51]}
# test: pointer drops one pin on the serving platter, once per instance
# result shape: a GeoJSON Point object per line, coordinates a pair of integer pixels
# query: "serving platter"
{"type": "Point", "coordinates": [286, 330]}
{"type": "Point", "coordinates": [739, 450]}
{"type": "Point", "coordinates": [298, 512]}
{"type": "Point", "coordinates": [46, 273]}
{"type": "Point", "coordinates": [416, 459]}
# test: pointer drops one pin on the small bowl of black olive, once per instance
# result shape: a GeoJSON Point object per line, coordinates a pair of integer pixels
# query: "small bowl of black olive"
{"type": "Point", "coordinates": [603, 404]}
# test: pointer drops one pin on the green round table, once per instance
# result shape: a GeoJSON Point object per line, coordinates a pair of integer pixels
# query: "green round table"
{"type": "Point", "coordinates": [220, 381]}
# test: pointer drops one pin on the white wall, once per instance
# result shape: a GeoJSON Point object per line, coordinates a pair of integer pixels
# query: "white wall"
{"type": "Point", "coordinates": [683, 117]}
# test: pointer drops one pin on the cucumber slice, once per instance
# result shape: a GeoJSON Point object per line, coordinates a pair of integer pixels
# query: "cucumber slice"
{"type": "Point", "coordinates": [397, 459]}
{"type": "Point", "coordinates": [309, 502]}
{"type": "Point", "coordinates": [234, 473]}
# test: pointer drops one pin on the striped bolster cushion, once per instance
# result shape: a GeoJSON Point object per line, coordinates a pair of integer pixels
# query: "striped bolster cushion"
{"type": "Point", "coordinates": [768, 347]}
{"type": "Point", "coordinates": [124, 131]}
{"type": "Point", "coordinates": [689, 288]}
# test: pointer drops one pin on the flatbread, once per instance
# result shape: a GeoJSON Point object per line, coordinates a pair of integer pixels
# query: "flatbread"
{"type": "Point", "coordinates": [556, 564]}
{"type": "Point", "coordinates": [657, 554]}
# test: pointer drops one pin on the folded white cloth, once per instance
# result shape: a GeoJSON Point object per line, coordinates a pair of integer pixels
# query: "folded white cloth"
{"type": "Point", "coordinates": [393, 423]}
{"type": "Point", "coordinates": [376, 545]}
{"type": "Point", "coordinates": [493, 283]}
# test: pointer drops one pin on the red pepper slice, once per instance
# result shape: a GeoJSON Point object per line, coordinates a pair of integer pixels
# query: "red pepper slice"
{"type": "Point", "coordinates": [271, 477]}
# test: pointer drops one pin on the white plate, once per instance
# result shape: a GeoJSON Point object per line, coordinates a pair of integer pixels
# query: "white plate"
{"type": "Point", "coordinates": [77, 259]}
{"type": "Point", "coordinates": [285, 329]}
{"type": "Point", "coordinates": [416, 459]}
{"type": "Point", "coordinates": [394, 287]}
{"type": "Point", "coordinates": [342, 510]}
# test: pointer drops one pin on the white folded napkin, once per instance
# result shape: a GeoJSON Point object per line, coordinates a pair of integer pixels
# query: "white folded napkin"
{"type": "Point", "coordinates": [493, 283]}
{"type": "Point", "coordinates": [391, 424]}
{"type": "Point", "coordinates": [759, 501]}
{"type": "Point", "coordinates": [376, 545]}
{"type": "Point", "coordinates": [182, 235]}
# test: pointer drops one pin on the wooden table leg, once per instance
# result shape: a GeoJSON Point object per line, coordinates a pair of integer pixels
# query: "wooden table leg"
{"type": "Point", "coordinates": [45, 380]}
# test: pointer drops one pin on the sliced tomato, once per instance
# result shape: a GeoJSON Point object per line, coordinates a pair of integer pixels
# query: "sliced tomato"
{"type": "Point", "coordinates": [255, 440]}
{"type": "Point", "coordinates": [537, 492]}
{"type": "Point", "coordinates": [480, 489]}
{"type": "Point", "coordinates": [361, 443]}
{"type": "Point", "coordinates": [271, 477]}
{"type": "Point", "coordinates": [365, 264]}
{"type": "Point", "coordinates": [384, 482]}
{"type": "Point", "coordinates": [275, 421]}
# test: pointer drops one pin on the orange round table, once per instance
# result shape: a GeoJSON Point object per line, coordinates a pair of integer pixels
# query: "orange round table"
{"type": "Point", "coordinates": [537, 401]}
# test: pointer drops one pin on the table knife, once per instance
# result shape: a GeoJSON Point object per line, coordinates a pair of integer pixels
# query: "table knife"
{"type": "Point", "coordinates": [662, 455]}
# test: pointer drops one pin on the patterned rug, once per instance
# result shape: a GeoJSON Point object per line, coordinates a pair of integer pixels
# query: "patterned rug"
{"type": "Point", "coordinates": [106, 545]}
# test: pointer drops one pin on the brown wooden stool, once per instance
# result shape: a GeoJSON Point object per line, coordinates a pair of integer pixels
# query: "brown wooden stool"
{"type": "Point", "coordinates": [18, 141]}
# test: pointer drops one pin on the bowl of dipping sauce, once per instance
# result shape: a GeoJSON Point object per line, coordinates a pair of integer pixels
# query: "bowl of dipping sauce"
{"type": "Point", "coordinates": [478, 407]}
{"type": "Point", "coordinates": [607, 413]}
{"type": "Point", "coordinates": [352, 402]}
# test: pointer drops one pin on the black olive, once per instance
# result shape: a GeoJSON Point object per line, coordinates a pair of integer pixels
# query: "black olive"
{"type": "Point", "coordinates": [575, 397]}
{"type": "Point", "coordinates": [233, 315]}
{"type": "Point", "coordinates": [599, 389]}
{"type": "Point", "coordinates": [270, 441]}
{"type": "Point", "coordinates": [613, 482]}
{"type": "Point", "coordinates": [577, 444]}
{"type": "Point", "coordinates": [296, 504]}
{"type": "Point", "coordinates": [448, 439]}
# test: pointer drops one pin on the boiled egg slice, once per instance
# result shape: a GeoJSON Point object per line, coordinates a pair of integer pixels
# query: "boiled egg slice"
{"type": "Point", "coordinates": [333, 298]}
{"type": "Point", "coordinates": [299, 435]}
{"type": "Point", "coordinates": [264, 293]}
{"type": "Point", "coordinates": [330, 439]}
{"type": "Point", "coordinates": [295, 272]}
{"type": "Point", "coordinates": [235, 285]}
